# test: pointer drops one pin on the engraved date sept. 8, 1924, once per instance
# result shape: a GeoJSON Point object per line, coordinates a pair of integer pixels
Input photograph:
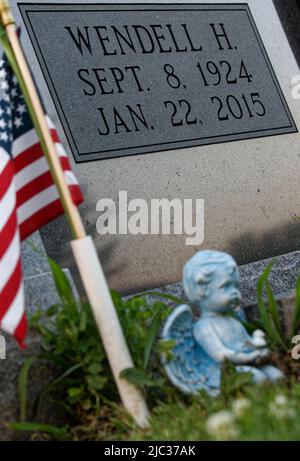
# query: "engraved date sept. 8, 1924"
{"type": "Point", "coordinates": [180, 111]}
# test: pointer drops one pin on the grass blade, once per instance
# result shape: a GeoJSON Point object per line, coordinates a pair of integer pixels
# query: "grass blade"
{"type": "Point", "coordinates": [273, 307]}
{"type": "Point", "coordinates": [62, 283]}
{"type": "Point", "coordinates": [273, 334]}
{"type": "Point", "coordinates": [138, 377]}
{"type": "Point", "coordinates": [260, 302]}
{"type": "Point", "coordinates": [53, 384]}
{"type": "Point", "coordinates": [56, 432]}
{"type": "Point", "coordinates": [22, 386]}
{"type": "Point", "coordinates": [151, 336]}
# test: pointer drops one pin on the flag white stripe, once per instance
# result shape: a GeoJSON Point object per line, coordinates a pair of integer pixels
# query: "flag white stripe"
{"type": "Point", "coordinates": [4, 159]}
{"type": "Point", "coordinates": [36, 169]}
{"type": "Point", "coordinates": [7, 205]}
{"type": "Point", "coordinates": [28, 139]}
{"type": "Point", "coordinates": [13, 316]}
{"type": "Point", "coordinates": [36, 203]}
{"type": "Point", "coordinates": [49, 122]}
{"type": "Point", "coordinates": [60, 150]}
{"type": "Point", "coordinates": [23, 142]}
{"type": "Point", "coordinates": [31, 172]}
{"type": "Point", "coordinates": [9, 260]}
{"type": "Point", "coordinates": [70, 178]}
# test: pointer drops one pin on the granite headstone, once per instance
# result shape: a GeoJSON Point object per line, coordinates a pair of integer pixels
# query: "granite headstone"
{"type": "Point", "coordinates": [212, 80]}
{"type": "Point", "coordinates": [218, 72]}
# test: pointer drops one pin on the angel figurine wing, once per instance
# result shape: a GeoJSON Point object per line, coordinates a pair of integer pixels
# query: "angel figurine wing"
{"type": "Point", "coordinates": [190, 368]}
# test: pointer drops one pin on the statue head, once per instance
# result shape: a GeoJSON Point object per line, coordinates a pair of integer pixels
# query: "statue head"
{"type": "Point", "coordinates": [211, 281]}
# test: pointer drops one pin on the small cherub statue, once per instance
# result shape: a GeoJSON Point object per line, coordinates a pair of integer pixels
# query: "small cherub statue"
{"type": "Point", "coordinates": [211, 283]}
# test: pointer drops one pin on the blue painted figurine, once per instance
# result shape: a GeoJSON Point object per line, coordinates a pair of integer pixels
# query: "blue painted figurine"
{"type": "Point", "coordinates": [211, 283]}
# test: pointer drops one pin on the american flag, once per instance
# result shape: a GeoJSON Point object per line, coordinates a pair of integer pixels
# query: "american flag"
{"type": "Point", "coordinates": [28, 196]}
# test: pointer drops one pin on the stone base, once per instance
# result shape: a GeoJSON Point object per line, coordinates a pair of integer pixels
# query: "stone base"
{"type": "Point", "coordinates": [282, 278]}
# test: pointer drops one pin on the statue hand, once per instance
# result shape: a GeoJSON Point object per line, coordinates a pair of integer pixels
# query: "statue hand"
{"type": "Point", "coordinates": [258, 338]}
{"type": "Point", "coordinates": [240, 358]}
{"type": "Point", "coordinates": [263, 355]}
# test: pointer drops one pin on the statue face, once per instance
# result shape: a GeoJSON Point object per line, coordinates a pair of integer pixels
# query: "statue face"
{"type": "Point", "coordinates": [223, 292]}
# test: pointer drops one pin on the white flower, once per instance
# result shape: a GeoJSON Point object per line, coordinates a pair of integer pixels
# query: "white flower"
{"type": "Point", "coordinates": [281, 400]}
{"type": "Point", "coordinates": [221, 426]}
{"type": "Point", "coordinates": [240, 406]}
{"type": "Point", "coordinates": [280, 407]}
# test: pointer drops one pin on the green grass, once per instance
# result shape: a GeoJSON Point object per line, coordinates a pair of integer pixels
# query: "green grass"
{"type": "Point", "coordinates": [256, 413]}
{"type": "Point", "coordinates": [186, 419]}
{"type": "Point", "coordinates": [263, 420]}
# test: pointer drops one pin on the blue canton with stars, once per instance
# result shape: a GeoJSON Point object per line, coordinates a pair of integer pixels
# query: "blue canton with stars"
{"type": "Point", "coordinates": [14, 117]}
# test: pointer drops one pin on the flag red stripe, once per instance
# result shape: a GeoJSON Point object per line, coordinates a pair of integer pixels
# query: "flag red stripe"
{"type": "Point", "coordinates": [8, 232]}
{"type": "Point", "coordinates": [46, 214]}
{"type": "Point", "coordinates": [64, 161]}
{"type": "Point", "coordinates": [76, 194]}
{"type": "Point", "coordinates": [20, 332]}
{"type": "Point", "coordinates": [6, 178]}
{"type": "Point", "coordinates": [32, 153]}
{"type": "Point", "coordinates": [54, 135]}
{"type": "Point", "coordinates": [34, 187]}
{"type": "Point", "coordinates": [27, 157]}
{"type": "Point", "coordinates": [40, 218]}
{"type": "Point", "coordinates": [10, 290]}
{"type": "Point", "coordinates": [44, 181]}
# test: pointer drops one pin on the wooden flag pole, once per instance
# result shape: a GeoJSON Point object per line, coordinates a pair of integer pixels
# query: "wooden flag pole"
{"type": "Point", "coordinates": [83, 246]}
